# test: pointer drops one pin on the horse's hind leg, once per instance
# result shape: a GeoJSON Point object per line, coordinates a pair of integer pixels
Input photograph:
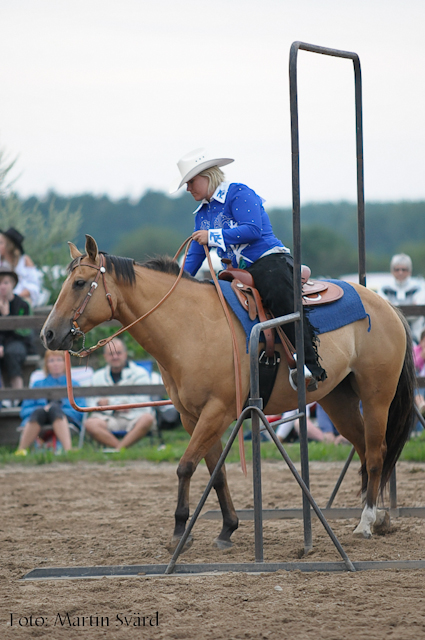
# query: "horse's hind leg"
{"type": "Point", "coordinates": [230, 519]}
{"type": "Point", "coordinates": [375, 417]}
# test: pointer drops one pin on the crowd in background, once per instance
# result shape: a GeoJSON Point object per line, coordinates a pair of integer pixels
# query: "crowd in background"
{"type": "Point", "coordinates": [21, 289]}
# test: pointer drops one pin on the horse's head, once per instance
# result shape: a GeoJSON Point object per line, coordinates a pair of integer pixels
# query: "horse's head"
{"type": "Point", "coordinates": [85, 300]}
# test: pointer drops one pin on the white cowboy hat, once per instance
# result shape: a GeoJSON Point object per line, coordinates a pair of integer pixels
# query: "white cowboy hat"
{"type": "Point", "coordinates": [193, 163]}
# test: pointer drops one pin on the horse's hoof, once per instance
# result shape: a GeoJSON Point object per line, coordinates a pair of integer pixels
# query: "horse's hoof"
{"type": "Point", "coordinates": [383, 523]}
{"type": "Point", "coordinates": [223, 545]}
{"type": "Point", "coordinates": [175, 541]}
{"type": "Point", "coordinates": [359, 532]}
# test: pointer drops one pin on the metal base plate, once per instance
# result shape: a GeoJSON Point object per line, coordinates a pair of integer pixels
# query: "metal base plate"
{"type": "Point", "coordinates": [330, 514]}
{"type": "Point", "coordinates": [158, 570]}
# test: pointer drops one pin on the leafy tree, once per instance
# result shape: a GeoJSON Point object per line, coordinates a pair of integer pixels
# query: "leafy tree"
{"type": "Point", "coordinates": [327, 253]}
{"type": "Point", "coordinates": [46, 234]}
{"type": "Point", "coordinates": [149, 241]}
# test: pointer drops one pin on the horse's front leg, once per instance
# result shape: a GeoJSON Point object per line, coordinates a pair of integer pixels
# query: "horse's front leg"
{"type": "Point", "coordinates": [230, 519]}
{"type": "Point", "coordinates": [204, 443]}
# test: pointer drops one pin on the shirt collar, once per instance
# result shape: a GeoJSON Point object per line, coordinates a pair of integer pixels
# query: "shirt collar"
{"type": "Point", "coordinates": [219, 194]}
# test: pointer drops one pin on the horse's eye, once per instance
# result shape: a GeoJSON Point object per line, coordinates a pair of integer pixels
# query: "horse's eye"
{"type": "Point", "coordinates": [79, 284]}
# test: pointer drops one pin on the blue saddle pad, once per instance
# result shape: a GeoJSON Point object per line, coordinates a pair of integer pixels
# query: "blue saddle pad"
{"type": "Point", "coordinates": [324, 318]}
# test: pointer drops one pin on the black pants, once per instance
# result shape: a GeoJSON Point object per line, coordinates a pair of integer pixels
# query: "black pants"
{"type": "Point", "coordinates": [43, 417]}
{"type": "Point", "coordinates": [274, 279]}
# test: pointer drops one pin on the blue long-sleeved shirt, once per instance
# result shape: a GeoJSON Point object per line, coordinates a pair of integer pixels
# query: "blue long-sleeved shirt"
{"type": "Point", "coordinates": [237, 225]}
{"type": "Point", "coordinates": [28, 406]}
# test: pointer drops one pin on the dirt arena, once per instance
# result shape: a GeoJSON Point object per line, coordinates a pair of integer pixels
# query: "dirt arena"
{"type": "Point", "coordinates": [86, 515]}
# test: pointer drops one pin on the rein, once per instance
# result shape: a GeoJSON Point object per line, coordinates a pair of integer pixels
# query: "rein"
{"type": "Point", "coordinates": [76, 331]}
{"type": "Point", "coordinates": [82, 353]}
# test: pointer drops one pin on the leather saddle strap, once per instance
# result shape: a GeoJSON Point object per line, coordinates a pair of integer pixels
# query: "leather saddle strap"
{"type": "Point", "coordinates": [252, 296]}
{"type": "Point", "coordinates": [287, 347]}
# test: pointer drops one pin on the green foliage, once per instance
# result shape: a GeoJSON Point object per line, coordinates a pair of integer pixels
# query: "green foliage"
{"type": "Point", "coordinates": [109, 221]}
{"type": "Point", "coordinates": [148, 242]}
{"type": "Point", "coordinates": [326, 252]}
{"type": "Point", "coordinates": [177, 440]}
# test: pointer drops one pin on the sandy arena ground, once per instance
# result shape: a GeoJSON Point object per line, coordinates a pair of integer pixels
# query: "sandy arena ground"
{"type": "Point", "coordinates": [86, 515]}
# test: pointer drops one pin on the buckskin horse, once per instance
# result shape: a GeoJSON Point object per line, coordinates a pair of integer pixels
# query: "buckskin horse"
{"type": "Point", "coordinates": [368, 361]}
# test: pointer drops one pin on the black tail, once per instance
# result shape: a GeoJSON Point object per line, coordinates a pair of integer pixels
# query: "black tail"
{"type": "Point", "coordinates": [401, 416]}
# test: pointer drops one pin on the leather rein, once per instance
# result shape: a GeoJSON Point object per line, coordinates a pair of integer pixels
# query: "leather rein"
{"type": "Point", "coordinates": [101, 270]}
{"type": "Point", "coordinates": [82, 353]}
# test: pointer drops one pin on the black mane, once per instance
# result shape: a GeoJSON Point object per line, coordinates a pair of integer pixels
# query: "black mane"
{"type": "Point", "coordinates": [123, 267]}
{"type": "Point", "coordinates": [165, 264]}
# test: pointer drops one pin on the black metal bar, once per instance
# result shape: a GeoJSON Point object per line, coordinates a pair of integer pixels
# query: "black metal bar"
{"type": "Point", "coordinates": [335, 513]}
{"type": "Point", "coordinates": [341, 478]}
{"type": "Point", "coordinates": [256, 479]}
{"type": "Point", "coordinates": [182, 542]}
{"type": "Point", "coordinates": [296, 216]}
{"type": "Point", "coordinates": [299, 326]}
{"type": "Point", "coordinates": [140, 570]}
{"type": "Point", "coordinates": [306, 492]}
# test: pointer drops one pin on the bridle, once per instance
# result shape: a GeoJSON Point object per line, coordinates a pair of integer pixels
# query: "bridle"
{"type": "Point", "coordinates": [76, 331]}
{"type": "Point", "coordinates": [82, 353]}
{"type": "Point", "coordinates": [101, 270]}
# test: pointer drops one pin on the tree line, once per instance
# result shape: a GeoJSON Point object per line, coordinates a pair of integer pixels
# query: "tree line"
{"type": "Point", "coordinates": [158, 224]}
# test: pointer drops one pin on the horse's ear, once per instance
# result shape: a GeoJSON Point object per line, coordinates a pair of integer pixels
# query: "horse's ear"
{"type": "Point", "coordinates": [74, 251]}
{"type": "Point", "coordinates": [91, 248]}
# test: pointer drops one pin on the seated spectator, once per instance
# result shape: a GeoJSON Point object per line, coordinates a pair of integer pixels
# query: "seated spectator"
{"type": "Point", "coordinates": [289, 431]}
{"type": "Point", "coordinates": [419, 354]}
{"type": "Point", "coordinates": [405, 290]}
{"type": "Point", "coordinates": [14, 345]}
{"type": "Point", "coordinates": [135, 423]}
{"type": "Point", "coordinates": [40, 415]}
{"type": "Point", "coordinates": [327, 427]}
{"type": "Point", "coordinates": [419, 359]}
{"type": "Point", "coordinates": [13, 257]}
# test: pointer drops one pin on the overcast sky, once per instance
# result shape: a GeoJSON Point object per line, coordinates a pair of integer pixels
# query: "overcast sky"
{"type": "Point", "coordinates": [104, 96]}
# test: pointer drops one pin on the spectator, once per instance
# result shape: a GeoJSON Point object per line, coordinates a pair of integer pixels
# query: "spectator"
{"type": "Point", "coordinates": [14, 345]}
{"type": "Point", "coordinates": [419, 355]}
{"type": "Point", "coordinates": [328, 428]}
{"type": "Point", "coordinates": [136, 423]}
{"type": "Point", "coordinates": [12, 256]}
{"type": "Point", "coordinates": [405, 290]}
{"type": "Point", "coordinates": [419, 359]}
{"type": "Point", "coordinates": [40, 415]}
{"type": "Point", "coordinates": [290, 431]}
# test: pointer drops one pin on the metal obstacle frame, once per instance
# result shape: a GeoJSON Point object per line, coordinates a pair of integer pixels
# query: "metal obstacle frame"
{"type": "Point", "coordinates": [254, 407]}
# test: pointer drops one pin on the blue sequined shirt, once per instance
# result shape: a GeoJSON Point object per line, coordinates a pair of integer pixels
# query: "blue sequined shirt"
{"type": "Point", "coordinates": [238, 226]}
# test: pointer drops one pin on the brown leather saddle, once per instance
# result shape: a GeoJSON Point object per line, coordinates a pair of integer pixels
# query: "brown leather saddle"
{"type": "Point", "coordinates": [314, 292]}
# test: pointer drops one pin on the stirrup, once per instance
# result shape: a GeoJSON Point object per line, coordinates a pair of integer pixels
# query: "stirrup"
{"type": "Point", "coordinates": [310, 379]}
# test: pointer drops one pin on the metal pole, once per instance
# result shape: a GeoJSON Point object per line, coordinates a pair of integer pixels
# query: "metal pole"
{"type": "Point", "coordinates": [296, 215]}
{"type": "Point", "coordinates": [299, 326]}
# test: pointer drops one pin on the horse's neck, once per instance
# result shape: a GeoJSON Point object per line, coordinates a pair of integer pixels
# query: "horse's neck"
{"type": "Point", "coordinates": [166, 332]}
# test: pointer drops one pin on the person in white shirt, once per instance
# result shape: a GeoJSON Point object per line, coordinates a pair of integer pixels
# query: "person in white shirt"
{"type": "Point", "coordinates": [405, 290]}
{"type": "Point", "coordinates": [134, 423]}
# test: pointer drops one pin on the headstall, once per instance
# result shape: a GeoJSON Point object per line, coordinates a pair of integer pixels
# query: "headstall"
{"type": "Point", "coordinates": [101, 270]}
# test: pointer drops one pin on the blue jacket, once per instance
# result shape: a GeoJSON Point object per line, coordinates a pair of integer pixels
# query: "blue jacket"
{"type": "Point", "coordinates": [28, 406]}
{"type": "Point", "coordinates": [237, 225]}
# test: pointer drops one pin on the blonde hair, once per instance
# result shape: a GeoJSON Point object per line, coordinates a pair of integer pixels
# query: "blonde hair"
{"type": "Point", "coordinates": [215, 177]}
{"type": "Point", "coordinates": [47, 356]}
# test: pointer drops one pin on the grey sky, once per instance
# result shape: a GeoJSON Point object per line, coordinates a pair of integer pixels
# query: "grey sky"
{"type": "Point", "coordinates": [105, 96]}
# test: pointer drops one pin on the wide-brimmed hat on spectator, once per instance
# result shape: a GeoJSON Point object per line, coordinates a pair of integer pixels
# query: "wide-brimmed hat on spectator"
{"type": "Point", "coordinates": [16, 237]}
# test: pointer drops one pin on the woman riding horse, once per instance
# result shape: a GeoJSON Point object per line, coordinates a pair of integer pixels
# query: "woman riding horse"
{"type": "Point", "coordinates": [231, 218]}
